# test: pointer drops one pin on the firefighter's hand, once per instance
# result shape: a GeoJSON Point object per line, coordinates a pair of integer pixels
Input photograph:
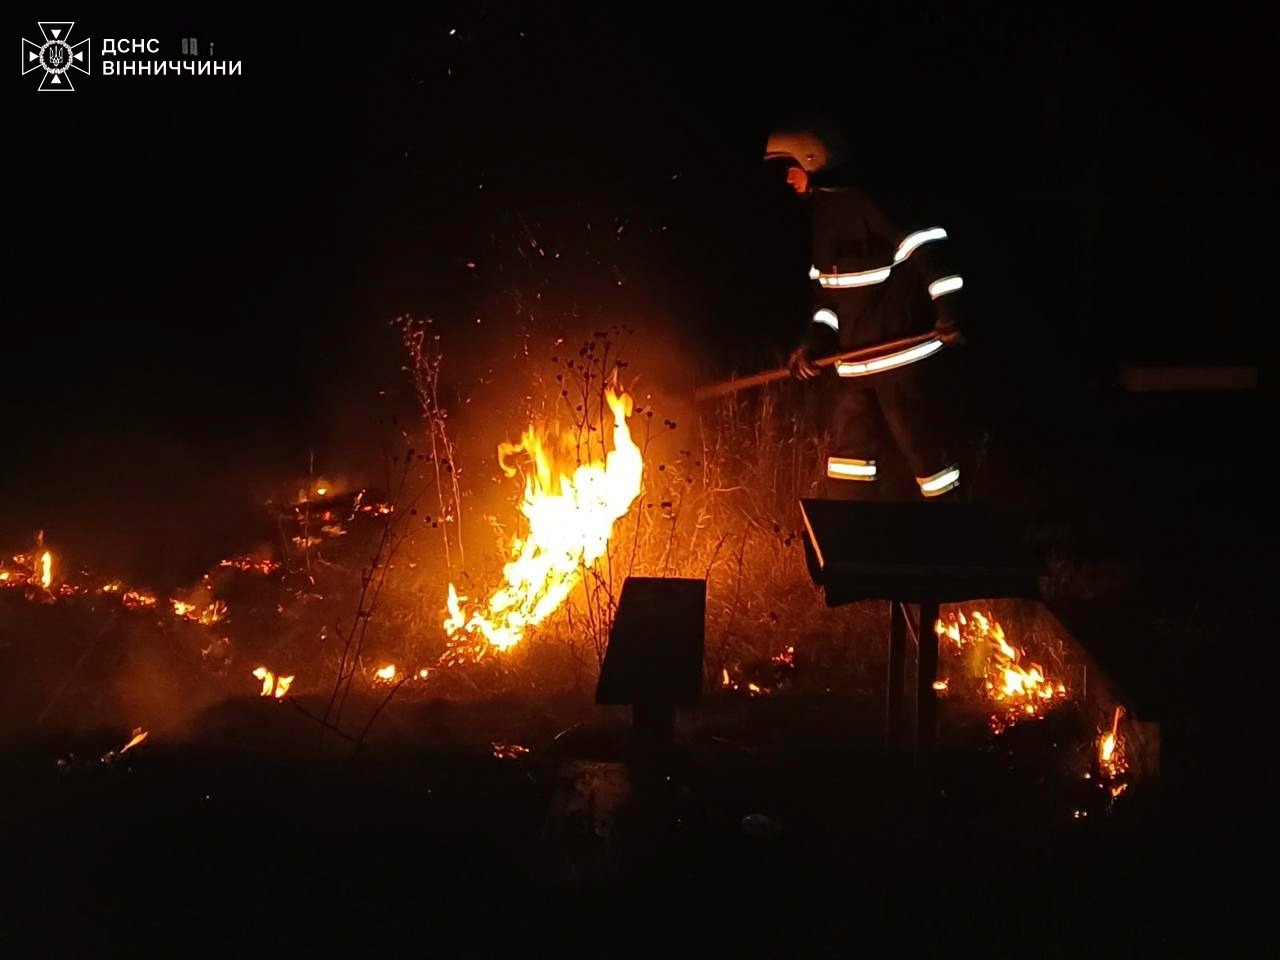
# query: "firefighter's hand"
{"type": "Point", "coordinates": [801, 365]}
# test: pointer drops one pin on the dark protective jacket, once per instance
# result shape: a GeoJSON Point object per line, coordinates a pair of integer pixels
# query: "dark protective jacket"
{"type": "Point", "coordinates": [876, 279]}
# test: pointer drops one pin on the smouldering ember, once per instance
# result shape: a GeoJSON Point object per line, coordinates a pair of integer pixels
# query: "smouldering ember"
{"type": "Point", "coordinates": [34, 569]}
{"type": "Point", "coordinates": [508, 751]}
{"type": "Point", "coordinates": [138, 599]}
{"type": "Point", "coordinates": [206, 615]}
{"type": "Point", "coordinates": [1018, 690]}
{"type": "Point", "coordinates": [39, 570]}
{"type": "Point", "coordinates": [273, 685]}
{"type": "Point", "coordinates": [769, 677]}
{"type": "Point", "coordinates": [570, 506]}
{"type": "Point", "coordinates": [261, 565]}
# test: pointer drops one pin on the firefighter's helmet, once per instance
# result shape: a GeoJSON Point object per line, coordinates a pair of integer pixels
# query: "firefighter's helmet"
{"type": "Point", "coordinates": [814, 149]}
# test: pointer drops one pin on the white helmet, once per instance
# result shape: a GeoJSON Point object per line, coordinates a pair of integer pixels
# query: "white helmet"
{"type": "Point", "coordinates": [814, 152]}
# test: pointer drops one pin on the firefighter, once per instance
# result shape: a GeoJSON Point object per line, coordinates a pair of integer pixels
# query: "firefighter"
{"type": "Point", "coordinates": [875, 281]}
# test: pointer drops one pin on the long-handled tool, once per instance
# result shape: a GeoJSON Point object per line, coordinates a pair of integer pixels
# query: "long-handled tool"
{"type": "Point", "coordinates": [855, 363]}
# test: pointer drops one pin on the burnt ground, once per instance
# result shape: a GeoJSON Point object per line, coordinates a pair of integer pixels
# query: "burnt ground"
{"type": "Point", "coordinates": [781, 828]}
{"type": "Point", "coordinates": [785, 829]}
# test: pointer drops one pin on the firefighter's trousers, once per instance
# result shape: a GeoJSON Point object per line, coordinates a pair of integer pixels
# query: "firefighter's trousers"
{"type": "Point", "coordinates": [868, 413]}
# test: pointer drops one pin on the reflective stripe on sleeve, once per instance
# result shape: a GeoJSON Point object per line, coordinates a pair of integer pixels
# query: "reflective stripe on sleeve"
{"type": "Point", "coordinates": [940, 288]}
{"type": "Point", "coordinates": [900, 358]}
{"type": "Point", "coordinates": [867, 278]}
{"type": "Point", "coordinates": [918, 239]}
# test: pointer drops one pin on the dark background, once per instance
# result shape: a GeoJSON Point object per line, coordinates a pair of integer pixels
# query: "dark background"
{"type": "Point", "coordinates": [205, 267]}
{"type": "Point", "coordinates": [201, 278]}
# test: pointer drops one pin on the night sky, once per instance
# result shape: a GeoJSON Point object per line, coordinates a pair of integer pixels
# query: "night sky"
{"type": "Point", "coordinates": [205, 268]}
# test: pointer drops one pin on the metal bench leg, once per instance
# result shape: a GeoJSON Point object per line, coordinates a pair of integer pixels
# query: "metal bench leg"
{"type": "Point", "coordinates": [926, 674]}
{"type": "Point", "coordinates": [897, 678]}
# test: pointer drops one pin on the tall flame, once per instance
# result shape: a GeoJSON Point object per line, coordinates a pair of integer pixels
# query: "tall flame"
{"type": "Point", "coordinates": [46, 569]}
{"type": "Point", "coordinates": [1111, 754]}
{"type": "Point", "coordinates": [570, 516]}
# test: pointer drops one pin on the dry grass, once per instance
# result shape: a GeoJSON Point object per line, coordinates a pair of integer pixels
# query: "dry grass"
{"type": "Point", "coordinates": [719, 502]}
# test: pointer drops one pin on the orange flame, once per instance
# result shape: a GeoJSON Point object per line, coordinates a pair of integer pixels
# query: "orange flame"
{"type": "Point", "coordinates": [272, 685]}
{"type": "Point", "coordinates": [1111, 754]}
{"type": "Point", "coordinates": [387, 673]}
{"type": "Point", "coordinates": [570, 517]}
{"type": "Point", "coordinates": [188, 610]}
{"type": "Point", "coordinates": [508, 751]}
{"type": "Point", "coordinates": [213, 613]}
{"type": "Point", "coordinates": [138, 736]}
{"type": "Point", "coordinates": [138, 598]}
{"type": "Point", "coordinates": [1023, 691]}
{"type": "Point", "coordinates": [46, 569]}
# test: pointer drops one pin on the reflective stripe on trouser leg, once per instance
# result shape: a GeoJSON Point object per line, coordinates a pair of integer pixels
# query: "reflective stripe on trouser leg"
{"type": "Point", "coordinates": [948, 478]}
{"type": "Point", "coordinates": [849, 468]}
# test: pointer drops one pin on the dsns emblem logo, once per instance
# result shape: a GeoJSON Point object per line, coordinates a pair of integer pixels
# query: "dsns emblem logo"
{"type": "Point", "coordinates": [56, 56]}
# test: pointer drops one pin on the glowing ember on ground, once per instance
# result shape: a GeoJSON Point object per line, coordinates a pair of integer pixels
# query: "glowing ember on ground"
{"type": "Point", "coordinates": [508, 751]}
{"type": "Point", "coordinates": [1019, 690]}
{"type": "Point", "coordinates": [207, 616]}
{"type": "Point", "coordinates": [386, 673]}
{"type": "Point", "coordinates": [570, 507]}
{"type": "Point", "coordinates": [787, 658]}
{"type": "Point", "coordinates": [32, 569]}
{"type": "Point", "coordinates": [272, 685]}
{"type": "Point", "coordinates": [138, 599]}
{"type": "Point", "coordinates": [251, 565]}
{"type": "Point", "coordinates": [215, 612]}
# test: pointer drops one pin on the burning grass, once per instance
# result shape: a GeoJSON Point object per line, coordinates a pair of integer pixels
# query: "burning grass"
{"type": "Point", "coordinates": [996, 670]}
{"type": "Point", "coordinates": [378, 596]}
